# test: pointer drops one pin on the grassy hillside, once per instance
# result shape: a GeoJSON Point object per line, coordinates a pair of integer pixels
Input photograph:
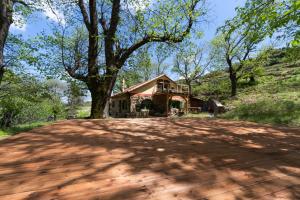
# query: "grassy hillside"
{"type": "Point", "coordinates": [21, 128]}
{"type": "Point", "coordinates": [273, 99]}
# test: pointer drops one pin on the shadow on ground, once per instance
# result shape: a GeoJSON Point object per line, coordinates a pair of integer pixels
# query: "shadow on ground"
{"type": "Point", "coordinates": [151, 159]}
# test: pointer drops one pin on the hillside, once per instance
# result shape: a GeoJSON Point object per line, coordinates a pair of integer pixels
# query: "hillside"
{"type": "Point", "coordinates": [274, 98]}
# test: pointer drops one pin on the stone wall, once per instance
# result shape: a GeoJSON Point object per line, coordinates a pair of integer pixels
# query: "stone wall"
{"type": "Point", "coordinates": [136, 99]}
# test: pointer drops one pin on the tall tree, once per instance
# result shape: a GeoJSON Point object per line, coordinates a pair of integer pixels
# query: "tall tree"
{"type": "Point", "coordinates": [116, 29]}
{"type": "Point", "coordinates": [281, 17]}
{"type": "Point", "coordinates": [161, 53]}
{"type": "Point", "coordinates": [143, 65]}
{"type": "Point", "coordinates": [236, 41]}
{"type": "Point", "coordinates": [9, 8]}
{"type": "Point", "coordinates": [191, 63]}
{"type": "Point", "coordinates": [75, 96]}
{"type": "Point", "coordinates": [24, 98]}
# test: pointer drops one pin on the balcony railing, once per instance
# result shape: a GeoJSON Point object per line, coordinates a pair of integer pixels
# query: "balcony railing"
{"type": "Point", "coordinates": [167, 88]}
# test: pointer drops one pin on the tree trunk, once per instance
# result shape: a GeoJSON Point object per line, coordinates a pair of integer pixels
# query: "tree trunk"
{"type": "Point", "coordinates": [7, 119]}
{"type": "Point", "coordinates": [233, 81]}
{"type": "Point", "coordinates": [1, 73]}
{"type": "Point", "coordinates": [100, 104]}
{"type": "Point", "coordinates": [100, 93]}
{"type": "Point", "coordinates": [5, 22]}
{"type": "Point", "coordinates": [232, 76]}
{"type": "Point", "coordinates": [2, 42]}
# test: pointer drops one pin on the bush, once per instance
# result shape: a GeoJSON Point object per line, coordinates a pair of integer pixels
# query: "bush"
{"type": "Point", "coordinates": [268, 111]}
{"type": "Point", "coordinates": [26, 100]}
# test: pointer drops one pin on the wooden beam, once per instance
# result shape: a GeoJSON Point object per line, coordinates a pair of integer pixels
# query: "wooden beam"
{"type": "Point", "coordinates": [167, 108]}
{"type": "Point", "coordinates": [186, 106]}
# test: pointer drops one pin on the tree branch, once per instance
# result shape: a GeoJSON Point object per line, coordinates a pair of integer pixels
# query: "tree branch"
{"type": "Point", "coordinates": [167, 37]}
{"type": "Point", "coordinates": [84, 14]}
{"type": "Point", "coordinates": [20, 2]}
{"type": "Point", "coordinates": [111, 32]}
{"type": "Point", "coordinates": [70, 70]}
{"type": "Point", "coordinates": [115, 17]}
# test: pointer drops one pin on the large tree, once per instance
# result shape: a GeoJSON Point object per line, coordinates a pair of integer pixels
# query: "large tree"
{"type": "Point", "coordinates": [281, 17]}
{"type": "Point", "coordinates": [141, 63]}
{"type": "Point", "coordinates": [9, 9]}
{"type": "Point", "coordinates": [23, 99]}
{"type": "Point", "coordinates": [237, 41]}
{"type": "Point", "coordinates": [191, 63]}
{"type": "Point", "coordinates": [161, 53]}
{"type": "Point", "coordinates": [115, 29]}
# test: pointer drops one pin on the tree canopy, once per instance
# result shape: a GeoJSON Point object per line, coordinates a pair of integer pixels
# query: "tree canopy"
{"type": "Point", "coordinates": [95, 51]}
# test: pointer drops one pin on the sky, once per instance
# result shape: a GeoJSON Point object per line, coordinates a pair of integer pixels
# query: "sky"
{"type": "Point", "coordinates": [219, 11]}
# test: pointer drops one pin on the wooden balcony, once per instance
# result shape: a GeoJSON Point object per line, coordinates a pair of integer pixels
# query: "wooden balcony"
{"type": "Point", "coordinates": [164, 86]}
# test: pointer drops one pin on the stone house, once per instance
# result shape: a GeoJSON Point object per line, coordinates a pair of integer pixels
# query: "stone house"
{"type": "Point", "coordinates": [157, 96]}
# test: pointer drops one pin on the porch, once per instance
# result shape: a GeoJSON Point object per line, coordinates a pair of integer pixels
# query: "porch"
{"type": "Point", "coordinates": [161, 104]}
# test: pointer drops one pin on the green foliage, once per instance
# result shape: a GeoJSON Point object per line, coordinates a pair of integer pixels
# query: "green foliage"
{"type": "Point", "coordinates": [282, 112]}
{"type": "Point", "coordinates": [274, 98]}
{"type": "Point", "coordinates": [274, 71]}
{"type": "Point", "coordinates": [143, 64]}
{"type": "Point", "coordinates": [24, 100]}
{"type": "Point", "coordinates": [161, 52]}
{"type": "Point", "coordinates": [83, 111]}
{"type": "Point", "coordinates": [130, 75]}
{"type": "Point", "coordinates": [191, 62]}
{"type": "Point", "coordinates": [139, 68]}
{"type": "Point", "coordinates": [202, 115]}
{"type": "Point", "coordinates": [292, 54]}
{"type": "Point", "coordinates": [75, 94]}
{"type": "Point", "coordinates": [215, 84]}
{"type": "Point", "coordinates": [17, 51]}
{"type": "Point", "coordinates": [276, 15]}
{"type": "Point", "coordinates": [21, 128]}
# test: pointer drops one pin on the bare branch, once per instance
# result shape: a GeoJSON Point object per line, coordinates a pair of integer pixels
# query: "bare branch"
{"type": "Point", "coordinates": [84, 14]}
{"type": "Point", "coordinates": [115, 17]}
{"type": "Point", "coordinates": [20, 2]}
{"type": "Point", "coordinates": [166, 37]}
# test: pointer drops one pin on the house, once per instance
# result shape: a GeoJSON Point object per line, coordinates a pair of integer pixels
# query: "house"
{"type": "Point", "coordinates": [156, 97]}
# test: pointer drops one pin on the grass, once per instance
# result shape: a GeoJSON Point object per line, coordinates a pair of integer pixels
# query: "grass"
{"type": "Point", "coordinates": [83, 112]}
{"type": "Point", "coordinates": [275, 99]}
{"type": "Point", "coordinates": [199, 115]}
{"type": "Point", "coordinates": [270, 111]}
{"type": "Point", "coordinates": [21, 128]}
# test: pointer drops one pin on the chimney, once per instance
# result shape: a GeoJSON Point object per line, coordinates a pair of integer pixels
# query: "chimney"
{"type": "Point", "coordinates": [123, 85]}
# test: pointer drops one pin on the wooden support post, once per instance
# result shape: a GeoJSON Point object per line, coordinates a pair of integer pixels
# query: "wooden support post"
{"type": "Point", "coordinates": [187, 104]}
{"type": "Point", "coordinates": [167, 108]}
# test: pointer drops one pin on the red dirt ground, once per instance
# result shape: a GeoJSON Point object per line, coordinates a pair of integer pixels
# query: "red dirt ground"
{"type": "Point", "coordinates": [158, 158]}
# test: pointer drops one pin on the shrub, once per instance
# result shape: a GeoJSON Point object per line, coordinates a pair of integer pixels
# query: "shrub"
{"type": "Point", "coordinates": [267, 111]}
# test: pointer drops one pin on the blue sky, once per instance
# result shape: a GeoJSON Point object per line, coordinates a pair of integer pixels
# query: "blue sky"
{"type": "Point", "coordinates": [219, 11]}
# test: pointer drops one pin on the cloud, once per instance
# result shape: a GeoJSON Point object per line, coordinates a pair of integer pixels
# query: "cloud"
{"type": "Point", "coordinates": [19, 23]}
{"type": "Point", "coordinates": [54, 15]}
{"type": "Point", "coordinates": [21, 28]}
{"type": "Point", "coordinates": [139, 5]}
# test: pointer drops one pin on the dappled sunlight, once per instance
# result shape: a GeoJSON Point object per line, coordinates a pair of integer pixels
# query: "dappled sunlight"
{"type": "Point", "coordinates": [155, 158]}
